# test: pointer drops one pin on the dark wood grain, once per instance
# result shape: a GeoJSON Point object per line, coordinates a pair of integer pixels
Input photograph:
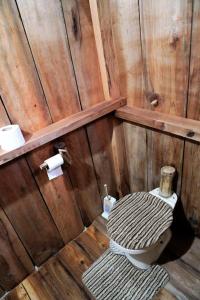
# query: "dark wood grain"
{"type": "Point", "coordinates": [93, 242]}
{"type": "Point", "coordinates": [105, 20]}
{"type": "Point", "coordinates": [126, 34]}
{"type": "Point", "coordinates": [75, 260]}
{"type": "Point", "coordinates": [164, 295]}
{"type": "Point", "coordinates": [31, 95]}
{"type": "Point", "coordinates": [19, 293]}
{"type": "Point", "coordinates": [193, 110]}
{"type": "Point", "coordinates": [17, 67]}
{"type": "Point", "coordinates": [104, 11]}
{"type": "Point", "coordinates": [136, 154]}
{"type": "Point", "coordinates": [85, 60]}
{"type": "Point", "coordinates": [51, 54]}
{"type": "Point", "coordinates": [25, 208]}
{"type": "Point", "coordinates": [120, 158]}
{"type": "Point", "coordinates": [15, 263]}
{"type": "Point", "coordinates": [191, 176]}
{"type": "Point", "coordinates": [59, 195]}
{"type": "Point", "coordinates": [57, 77]}
{"type": "Point", "coordinates": [187, 282]}
{"type": "Point", "coordinates": [165, 51]}
{"type": "Point", "coordinates": [53, 282]}
{"type": "Point", "coordinates": [190, 186]}
{"type": "Point", "coordinates": [23, 99]}
{"type": "Point", "coordinates": [60, 277]}
{"type": "Point", "coordinates": [83, 49]}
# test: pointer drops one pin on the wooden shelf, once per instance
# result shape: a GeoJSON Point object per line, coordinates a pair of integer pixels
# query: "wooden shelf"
{"type": "Point", "coordinates": [179, 126]}
{"type": "Point", "coordinates": [62, 127]}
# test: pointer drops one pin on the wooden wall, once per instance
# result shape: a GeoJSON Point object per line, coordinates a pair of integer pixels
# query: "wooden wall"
{"type": "Point", "coordinates": [157, 46]}
{"type": "Point", "coordinates": [49, 69]}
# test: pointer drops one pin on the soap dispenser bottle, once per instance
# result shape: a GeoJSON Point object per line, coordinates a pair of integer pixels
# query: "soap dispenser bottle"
{"type": "Point", "coordinates": [108, 203]}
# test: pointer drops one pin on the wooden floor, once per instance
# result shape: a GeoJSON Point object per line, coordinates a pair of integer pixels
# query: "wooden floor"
{"type": "Point", "coordinates": [60, 277]}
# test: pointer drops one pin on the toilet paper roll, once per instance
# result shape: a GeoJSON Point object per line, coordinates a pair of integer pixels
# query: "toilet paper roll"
{"type": "Point", "coordinates": [54, 173]}
{"type": "Point", "coordinates": [54, 162]}
{"type": "Point", "coordinates": [11, 137]}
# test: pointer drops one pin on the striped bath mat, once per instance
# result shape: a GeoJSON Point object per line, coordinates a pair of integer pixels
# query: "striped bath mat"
{"type": "Point", "coordinates": [113, 277]}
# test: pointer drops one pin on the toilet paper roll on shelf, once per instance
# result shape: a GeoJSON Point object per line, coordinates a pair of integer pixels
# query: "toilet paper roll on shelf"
{"type": "Point", "coordinates": [53, 166]}
{"type": "Point", "coordinates": [11, 137]}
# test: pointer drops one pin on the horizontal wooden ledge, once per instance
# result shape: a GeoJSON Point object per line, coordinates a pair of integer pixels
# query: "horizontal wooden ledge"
{"type": "Point", "coordinates": [179, 126]}
{"type": "Point", "coordinates": [62, 127]}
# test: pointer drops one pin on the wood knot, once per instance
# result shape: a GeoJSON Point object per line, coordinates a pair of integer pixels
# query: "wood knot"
{"type": "Point", "coordinates": [75, 24]}
{"type": "Point", "coordinates": [174, 40]}
{"type": "Point", "coordinates": [82, 262]}
{"type": "Point", "coordinates": [153, 98]}
{"type": "Point", "coordinates": [190, 133]}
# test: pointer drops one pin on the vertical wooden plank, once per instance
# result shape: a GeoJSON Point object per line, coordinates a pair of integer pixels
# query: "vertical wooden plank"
{"type": "Point", "coordinates": [136, 139]}
{"type": "Point", "coordinates": [104, 15]}
{"type": "Point", "coordinates": [165, 52]}
{"type": "Point", "coordinates": [24, 206]}
{"type": "Point", "coordinates": [99, 47]}
{"type": "Point", "coordinates": [84, 55]}
{"type": "Point", "coordinates": [120, 158]}
{"type": "Point", "coordinates": [51, 53]}
{"type": "Point", "coordinates": [191, 176]}
{"type": "Point", "coordinates": [18, 80]}
{"type": "Point", "coordinates": [83, 50]}
{"type": "Point", "coordinates": [110, 60]}
{"type": "Point", "coordinates": [126, 32]}
{"type": "Point", "coordinates": [164, 150]}
{"type": "Point", "coordinates": [194, 89]}
{"type": "Point", "coordinates": [23, 98]}
{"type": "Point", "coordinates": [52, 57]}
{"type": "Point", "coordinates": [15, 263]}
{"type": "Point", "coordinates": [37, 121]}
{"type": "Point", "coordinates": [58, 195]}
{"type": "Point", "coordinates": [191, 185]}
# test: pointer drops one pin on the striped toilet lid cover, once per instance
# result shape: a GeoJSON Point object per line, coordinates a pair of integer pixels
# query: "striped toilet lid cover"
{"type": "Point", "coordinates": [138, 220]}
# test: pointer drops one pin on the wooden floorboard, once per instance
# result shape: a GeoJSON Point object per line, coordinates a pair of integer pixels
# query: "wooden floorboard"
{"type": "Point", "coordinates": [60, 277]}
{"type": "Point", "coordinates": [164, 295]}
{"type": "Point", "coordinates": [18, 293]}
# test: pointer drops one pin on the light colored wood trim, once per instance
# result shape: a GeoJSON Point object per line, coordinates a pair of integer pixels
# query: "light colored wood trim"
{"type": "Point", "coordinates": [62, 127]}
{"type": "Point", "coordinates": [99, 46]}
{"type": "Point", "coordinates": [179, 126]}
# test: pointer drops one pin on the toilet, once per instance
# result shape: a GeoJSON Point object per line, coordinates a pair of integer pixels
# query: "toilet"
{"type": "Point", "coordinates": [139, 226]}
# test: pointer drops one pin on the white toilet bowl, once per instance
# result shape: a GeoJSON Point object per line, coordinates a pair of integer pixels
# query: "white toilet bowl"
{"type": "Point", "coordinates": [144, 258]}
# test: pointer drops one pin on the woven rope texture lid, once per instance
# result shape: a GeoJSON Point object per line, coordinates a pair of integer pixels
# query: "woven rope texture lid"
{"type": "Point", "coordinates": [138, 220]}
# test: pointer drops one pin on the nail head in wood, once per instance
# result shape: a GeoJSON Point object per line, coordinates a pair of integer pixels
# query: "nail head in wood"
{"type": "Point", "coordinates": [154, 102]}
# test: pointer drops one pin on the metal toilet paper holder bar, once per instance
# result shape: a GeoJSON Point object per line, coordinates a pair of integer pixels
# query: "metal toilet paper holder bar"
{"type": "Point", "coordinates": [65, 154]}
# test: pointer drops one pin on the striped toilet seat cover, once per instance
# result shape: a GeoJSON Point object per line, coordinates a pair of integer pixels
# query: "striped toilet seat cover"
{"type": "Point", "coordinates": [138, 220]}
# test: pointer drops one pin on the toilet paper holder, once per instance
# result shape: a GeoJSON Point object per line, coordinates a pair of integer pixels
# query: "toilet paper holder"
{"type": "Point", "coordinates": [62, 151]}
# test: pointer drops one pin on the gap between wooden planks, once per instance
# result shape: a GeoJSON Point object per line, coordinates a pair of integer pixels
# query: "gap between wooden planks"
{"type": "Point", "coordinates": [179, 126]}
{"type": "Point", "coordinates": [62, 127]}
